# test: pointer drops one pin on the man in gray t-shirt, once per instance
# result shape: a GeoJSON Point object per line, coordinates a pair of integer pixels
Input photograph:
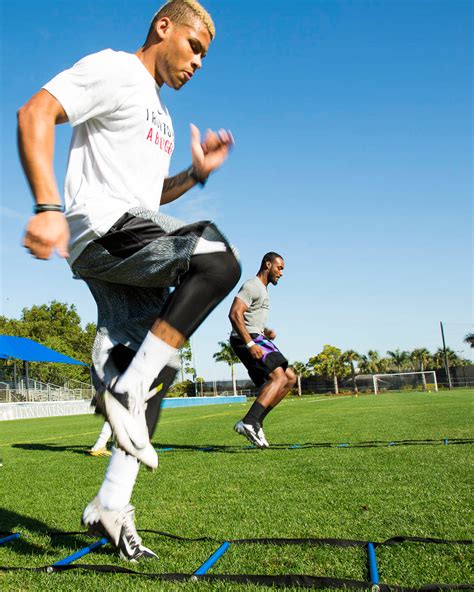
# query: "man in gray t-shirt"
{"type": "Point", "coordinates": [251, 341]}
{"type": "Point", "coordinates": [254, 294]}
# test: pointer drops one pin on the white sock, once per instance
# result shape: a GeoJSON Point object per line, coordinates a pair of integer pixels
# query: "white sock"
{"type": "Point", "coordinates": [150, 359]}
{"type": "Point", "coordinates": [104, 436]}
{"type": "Point", "coordinates": [173, 362]}
{"type": "Point", "coordinates": [122, 471]}
{"type": "Point", "coordinates": [204, 246]}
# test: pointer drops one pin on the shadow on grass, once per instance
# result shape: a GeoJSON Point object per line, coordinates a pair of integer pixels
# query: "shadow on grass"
{"type": "Point", "coordinates": [163, 448]}
{"type": "Point", "coordinates": [249, 448]}
{"type": "Point", "coordinates": [377, 443]}
{"type": "Point", "coordinates": [52, 448]}
{"type": "Point", "coordinates": [159, 447]}
{"type": "Point", "coordinates": [12, 522]}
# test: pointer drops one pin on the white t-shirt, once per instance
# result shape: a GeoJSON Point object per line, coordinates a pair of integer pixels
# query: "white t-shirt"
{"type": "Point", "coordinates": [121, 146]}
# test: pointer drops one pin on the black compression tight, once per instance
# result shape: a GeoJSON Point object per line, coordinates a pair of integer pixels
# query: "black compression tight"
{"type": "Point", "coordinates": [207, 282]}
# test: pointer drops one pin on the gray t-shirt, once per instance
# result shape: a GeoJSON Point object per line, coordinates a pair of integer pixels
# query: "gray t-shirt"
{"type": "Point", "coordinates": [255, 296]}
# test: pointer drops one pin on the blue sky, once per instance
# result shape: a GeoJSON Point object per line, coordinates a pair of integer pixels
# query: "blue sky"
{"type": "Point", "coordinates": [353, 159]}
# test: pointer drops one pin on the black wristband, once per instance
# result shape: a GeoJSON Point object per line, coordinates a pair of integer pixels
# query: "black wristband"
{"type": "Point", "coordinates": [192, 173]}
{"type": "Point", "coordinates": [47, 208]}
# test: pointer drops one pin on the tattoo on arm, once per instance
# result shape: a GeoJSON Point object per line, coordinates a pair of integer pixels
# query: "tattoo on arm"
{"type": "Point", "coordinates": [176, 181]}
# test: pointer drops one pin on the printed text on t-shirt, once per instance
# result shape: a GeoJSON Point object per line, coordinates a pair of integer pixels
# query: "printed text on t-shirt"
{"type": "Point", "coordinates": [160, 133]}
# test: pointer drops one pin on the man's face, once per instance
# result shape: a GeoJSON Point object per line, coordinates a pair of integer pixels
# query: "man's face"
{"type": "Point", "coordinates": [183, 48]}
{"type": "Point", "coordinates": [276, 270]}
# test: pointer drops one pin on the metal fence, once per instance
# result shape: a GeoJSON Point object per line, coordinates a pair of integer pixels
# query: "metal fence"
{"type": "Point", "coordinates": [27, 391]}
{"type": "Point", "coordinates": [459, 377]}
{"type": "Point", "coordinates": [223, 388]}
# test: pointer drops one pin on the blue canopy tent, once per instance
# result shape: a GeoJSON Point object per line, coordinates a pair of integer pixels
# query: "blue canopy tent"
{"type": "Point", "coordinates": [27, 350]}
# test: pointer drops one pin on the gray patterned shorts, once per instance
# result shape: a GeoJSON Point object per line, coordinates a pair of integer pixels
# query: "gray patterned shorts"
{"type": "Point", "coordinates": [130, 272]}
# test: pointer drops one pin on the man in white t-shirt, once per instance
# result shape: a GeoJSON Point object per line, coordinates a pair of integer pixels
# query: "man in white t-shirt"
{"type": "Point", "coordinates": [252, 342]}
{"type": "Point", "coordinates": [129, 255]}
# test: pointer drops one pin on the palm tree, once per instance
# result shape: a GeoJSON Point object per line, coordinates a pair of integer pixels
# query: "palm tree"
{"type": "Point", "coordinates": [422, 357]}
{"type": "Point", "coordinates": [226, 354]}
{"type": "Point", "coordinates": [399, 358]}
{"type": "Point", "coordinates": [374, 361]}
{"type": "Point", "coordinates": [384, 365]}
{"type": "Point", "coordinates": [363, 364]}
{"type": "Point", "coordinates": [200, 380]}
{"type": "Point", "coordinates": [185, 358]}
{"type": "Point", "coordinates": [352, 356]}
{"type": "Point", "coordinates": [301, 370]}
{"type": "Point", "coordinates": [330, 364]}
{"type": "Point", "coordinates": [451, 355]}
{"type": "Point", "coordinates": [469, 339]}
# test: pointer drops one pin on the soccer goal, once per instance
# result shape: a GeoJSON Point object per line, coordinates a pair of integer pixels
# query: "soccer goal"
{"type": "Point", "coordinates": [425, 381]}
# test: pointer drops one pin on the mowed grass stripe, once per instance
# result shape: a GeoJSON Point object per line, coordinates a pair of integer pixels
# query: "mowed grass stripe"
{"type": "Point", "coordinates": [92, 433]}
{"type": "Point", "coordinates": [361, 493]}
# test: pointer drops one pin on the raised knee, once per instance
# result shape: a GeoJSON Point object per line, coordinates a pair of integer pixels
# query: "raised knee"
{"type": "Point", "coordinates": [221, 269]}
{"type": "Point", "coordinates": [291, 378]}
{"type": "Point", "coordinates": [280, 379]}
{"type": "Point", "coordinates": [234, 270]}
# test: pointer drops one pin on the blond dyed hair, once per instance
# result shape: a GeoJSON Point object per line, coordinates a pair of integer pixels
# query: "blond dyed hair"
{"type": "Point", "coordinates": [181, 12]}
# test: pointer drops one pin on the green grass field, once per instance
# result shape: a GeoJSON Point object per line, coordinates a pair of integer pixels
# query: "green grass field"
{"type": "Point", "coordinates": [421, 488]}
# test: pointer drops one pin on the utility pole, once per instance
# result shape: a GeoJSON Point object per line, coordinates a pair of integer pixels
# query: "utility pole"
{"type": "Point", "coordinates": [446, 364]}
{"type": "Point", "coordinates": [194, 368]}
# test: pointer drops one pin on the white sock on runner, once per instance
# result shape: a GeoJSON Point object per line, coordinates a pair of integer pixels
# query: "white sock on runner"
{"type": "Point", "coordinates": [104, 436]}
{"type": "Point", "coordinates": [122, 471]}
{"type": "Point", "coordinates": [204, 246]}
{"type": "Point", "coordinates": [149, 361]}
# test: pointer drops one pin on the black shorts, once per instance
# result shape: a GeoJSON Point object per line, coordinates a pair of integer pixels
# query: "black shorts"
{"type": "Point", "coordinates": [259, 369]}
{"type": "Point", "coordinates": [130, 271]}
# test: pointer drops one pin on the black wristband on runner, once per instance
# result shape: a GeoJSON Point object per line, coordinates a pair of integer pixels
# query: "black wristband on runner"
{"type": "Point", "coordinates": [201, 180]}
{"type": "Point", "coordinates": [47, 208]}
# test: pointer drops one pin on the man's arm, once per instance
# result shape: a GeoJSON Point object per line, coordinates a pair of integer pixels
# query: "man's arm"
{"type": "Point", "coordinates": [270, 333]}
{"type": "Point", "coordinates": [48, 230]}
{"type": "Point", "coordinates": [174, 187]}
{"type": "Point", "coordinates": [206, 157]}
{"type": "Point", "coordinates": [236, 316]}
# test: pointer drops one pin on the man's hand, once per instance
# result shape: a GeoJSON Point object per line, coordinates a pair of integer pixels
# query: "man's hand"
{"type": "Point", "coordinates": [256, 352]}
{"type": "Point", "coordinates": [46, 232]}
{"type": "Point", "coordinates": [212, 152]}
{"type": "Point", "coordinates": [270, 333]}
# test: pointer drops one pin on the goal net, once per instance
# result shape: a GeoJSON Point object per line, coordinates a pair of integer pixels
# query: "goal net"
{"type": "Point", "coordinates": [409, 381]}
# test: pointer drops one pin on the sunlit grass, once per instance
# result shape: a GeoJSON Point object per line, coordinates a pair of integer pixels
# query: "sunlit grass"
{"type": "Point", "coordinates": [211, 483]}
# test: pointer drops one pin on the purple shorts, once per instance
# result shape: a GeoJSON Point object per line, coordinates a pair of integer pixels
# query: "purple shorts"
{"type": "Point", "coordinates": [259, 369]}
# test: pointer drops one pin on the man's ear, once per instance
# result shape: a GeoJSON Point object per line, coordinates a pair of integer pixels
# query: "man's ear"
{"type": "Point", "coordinates": [162, 27]}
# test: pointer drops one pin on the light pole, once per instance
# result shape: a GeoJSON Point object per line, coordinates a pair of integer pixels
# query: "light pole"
{"type": "Point", "coordinates": [446, 364]}
{"type": "Point", "coordinates": [194, 367]}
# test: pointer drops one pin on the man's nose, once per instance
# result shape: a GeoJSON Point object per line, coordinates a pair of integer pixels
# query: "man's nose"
{"type": "Point", "coordinates": [197, 62]}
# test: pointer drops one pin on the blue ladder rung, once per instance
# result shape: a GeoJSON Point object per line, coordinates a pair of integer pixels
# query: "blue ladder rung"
{"type": "Point", "coordinates": [206, 566]}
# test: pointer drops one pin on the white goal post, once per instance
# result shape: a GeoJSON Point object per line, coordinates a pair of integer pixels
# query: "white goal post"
{"type": "Point", "coordinates": [379, 378]}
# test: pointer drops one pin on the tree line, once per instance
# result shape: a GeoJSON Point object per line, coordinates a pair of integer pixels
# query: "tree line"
{"type": "Point", "coordinates": [334, 364]}
{"type": "Point", "coordinates": [57, 325]}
